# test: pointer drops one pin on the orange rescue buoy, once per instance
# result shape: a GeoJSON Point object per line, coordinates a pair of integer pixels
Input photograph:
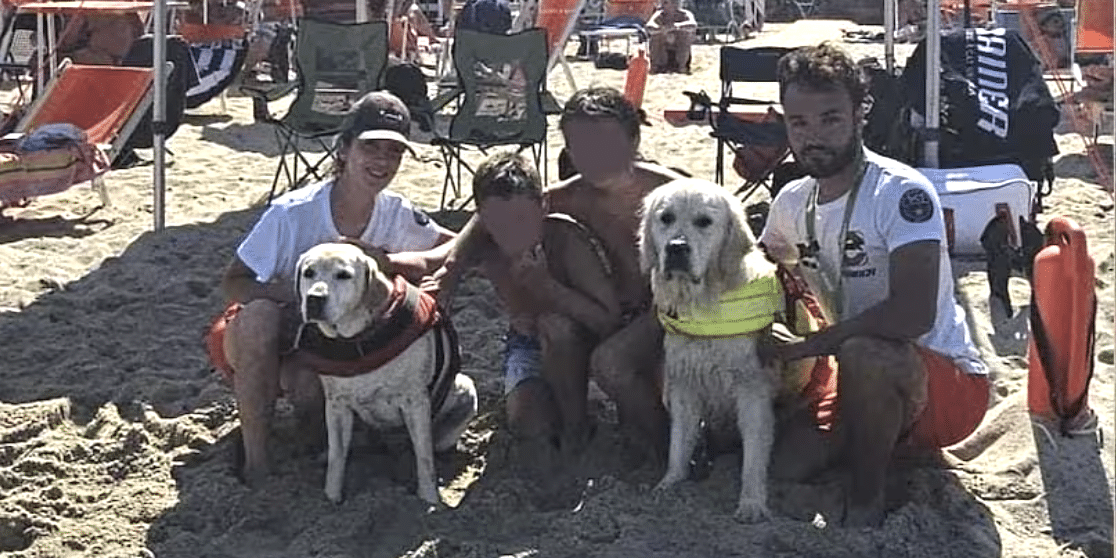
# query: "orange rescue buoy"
{"type": "Point", "coordinates": [1063, 316]}
{"type": "Point", "coordinates": [635, 81]}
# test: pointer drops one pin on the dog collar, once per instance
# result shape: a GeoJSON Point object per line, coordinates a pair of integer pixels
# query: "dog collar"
{"type": "Point", "coordinates": [743, 310]}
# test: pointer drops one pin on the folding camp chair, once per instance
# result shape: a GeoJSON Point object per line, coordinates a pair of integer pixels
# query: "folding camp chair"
{"type": "Point", "coordinates": [502, 79]}
{"type": "Point", "coordinates": [107, 102]}
{"type": "Point", "coordinates": [755, 134]}
{"type": "Point", "coordinates": [336, 64]}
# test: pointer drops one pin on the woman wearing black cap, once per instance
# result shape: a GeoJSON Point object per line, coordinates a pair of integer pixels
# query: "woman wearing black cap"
{"type": "Point", "coordinates": [254, 346]}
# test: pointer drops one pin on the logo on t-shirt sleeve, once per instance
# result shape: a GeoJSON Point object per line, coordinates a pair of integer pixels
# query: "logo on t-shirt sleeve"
{"type": "Point", "coordinates": [915, 206]}
{"type": "Point", "coordinates": [421, 219]}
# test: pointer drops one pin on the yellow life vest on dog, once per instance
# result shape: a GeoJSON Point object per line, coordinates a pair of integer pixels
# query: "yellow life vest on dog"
{"type": "Point", "coordinates": [743, 310]}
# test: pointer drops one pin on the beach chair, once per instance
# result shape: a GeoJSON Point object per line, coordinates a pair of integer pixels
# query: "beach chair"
{"type": "Point", "coordinates": [734, 18]}
{"type": "Point", "coordinates": [502, 79]}
{"type": "Point", "coordinates": [1093, 38]}
{"type": "Point", "coordinates": [336, 64]}
{"type": "Point", "coordinates": [752, 128]}
{"type": "Point", "coordinates": [621, 19]}
{"type": "Point", "coordinates": [106, 102]}
{"type": "Point", "coordinates": [558, 18]}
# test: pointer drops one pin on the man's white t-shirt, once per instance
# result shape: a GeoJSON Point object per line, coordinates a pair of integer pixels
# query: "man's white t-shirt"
{"type": "Point", "coordinates": [301, 219]}
{"type": "Point", "coordinates": [896, 205]}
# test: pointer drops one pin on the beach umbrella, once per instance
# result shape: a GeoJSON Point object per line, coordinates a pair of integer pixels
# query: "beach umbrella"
{"type": "Point", "coordinates": [158, 120]}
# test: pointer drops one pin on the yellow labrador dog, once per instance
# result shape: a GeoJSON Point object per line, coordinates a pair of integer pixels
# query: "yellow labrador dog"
{"type": "Point", "coordinates": [383, 352]}
{"type": "Point", "coordinates": [715, 293]}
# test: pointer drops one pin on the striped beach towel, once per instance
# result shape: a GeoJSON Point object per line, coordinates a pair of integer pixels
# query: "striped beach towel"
{"type": "Point", "coordinates": [218, 64]}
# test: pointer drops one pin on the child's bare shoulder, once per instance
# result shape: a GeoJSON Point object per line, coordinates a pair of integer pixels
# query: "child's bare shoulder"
{"type": "Point", "coordinates": [655, 173]}
{"type": "Point", "coordinates": [565, 194]}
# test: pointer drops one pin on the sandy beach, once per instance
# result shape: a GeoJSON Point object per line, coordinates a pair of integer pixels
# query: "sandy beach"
{"type": "Point", "coordinates": [116, 434]}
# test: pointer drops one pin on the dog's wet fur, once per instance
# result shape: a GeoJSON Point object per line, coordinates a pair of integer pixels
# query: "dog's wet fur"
{"type": "Point", "coordinates": [696, 244]}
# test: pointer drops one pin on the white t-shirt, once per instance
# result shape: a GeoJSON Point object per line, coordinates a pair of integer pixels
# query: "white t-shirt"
{"type": "Point", "coordinates": [301, 219]}
{"type": "Point", "coordinates": [896, 205]}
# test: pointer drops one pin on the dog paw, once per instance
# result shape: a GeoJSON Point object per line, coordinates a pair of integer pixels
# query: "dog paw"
{"type": "Point", "coordinates": [751, 512]}
{"type": "Point", "coordinates": [431, 497]}
{"type": "Point", "coordinates": [333, 494]}
{"type": "Point", "coordinates": [668, 482]}
{"type": "Point", "coordinates": [254, 478]}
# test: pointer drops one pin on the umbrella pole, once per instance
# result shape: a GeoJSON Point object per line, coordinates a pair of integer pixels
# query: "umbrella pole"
{"type": "Point", "coordinates": [933, 79]}
{"type": "Point", "coordinates": [158, 121]}
{"type": "Point", "coordinates": [889, 36]}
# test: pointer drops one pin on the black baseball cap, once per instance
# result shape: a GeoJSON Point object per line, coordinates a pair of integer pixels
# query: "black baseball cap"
{"type": "Point", "coordinates": [381, 115]}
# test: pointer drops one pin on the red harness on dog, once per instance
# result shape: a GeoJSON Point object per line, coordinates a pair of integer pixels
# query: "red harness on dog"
{"type": "Point", "coordinates": [411, 314]}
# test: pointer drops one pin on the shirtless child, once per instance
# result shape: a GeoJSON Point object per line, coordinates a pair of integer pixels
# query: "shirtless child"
{"type": "Point", "coordinates": [601, 131]}
{"type": "Point", "coordinates": [553, 280]}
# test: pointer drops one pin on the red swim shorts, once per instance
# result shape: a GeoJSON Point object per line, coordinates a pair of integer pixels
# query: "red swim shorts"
{"type": "Point", "coordinates": [955, 401]}
{"type": "Point", "coordinates": [215, 340]}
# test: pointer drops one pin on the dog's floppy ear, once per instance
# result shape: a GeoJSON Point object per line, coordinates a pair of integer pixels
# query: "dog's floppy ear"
{"type": "Point", "coordinates": [737, 241]}
{"type": "Point", "coordinates": [371, 268]}
{"type": "Point", "coordinates": [298, 276]}
{"type": "Point", "coordinates": [648, 251]}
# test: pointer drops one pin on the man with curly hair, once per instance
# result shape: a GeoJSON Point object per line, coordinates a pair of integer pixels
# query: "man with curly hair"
{"type": "Point", "coordinates": [867, 235]}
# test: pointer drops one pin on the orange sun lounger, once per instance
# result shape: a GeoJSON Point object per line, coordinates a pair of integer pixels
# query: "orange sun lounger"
{"type": "Point", "coordinates": [1094, 27]}
{"type": "Point", "coordinates": [106, 102]}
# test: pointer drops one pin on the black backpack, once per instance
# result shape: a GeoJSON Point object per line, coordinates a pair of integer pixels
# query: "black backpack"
{"type": "Point", "coordinates": [996, 108]}
{"type": "Point", "coordinates": [178, 82]}
{"type": "Point", "coordinates": [406, 81]}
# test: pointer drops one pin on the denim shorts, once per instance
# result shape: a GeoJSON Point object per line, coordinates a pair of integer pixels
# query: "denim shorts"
{"type": "Point", "coordinates": [522, 359]}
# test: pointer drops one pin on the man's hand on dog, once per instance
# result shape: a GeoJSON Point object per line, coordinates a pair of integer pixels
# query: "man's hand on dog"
{"type": "Point", "coordinates": [778, 346]}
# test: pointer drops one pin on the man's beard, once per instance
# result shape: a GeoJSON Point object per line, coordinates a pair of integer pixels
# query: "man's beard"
{"type": "Point", "coordinates": [834, 161]}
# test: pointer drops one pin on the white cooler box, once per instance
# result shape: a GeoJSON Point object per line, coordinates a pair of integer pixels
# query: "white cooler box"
{"type": "Point", "coordinates": [973, 196]}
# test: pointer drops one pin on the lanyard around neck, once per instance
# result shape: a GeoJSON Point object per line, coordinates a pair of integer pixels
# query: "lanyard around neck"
{"type": "Point", "coordinates": [812, 238]}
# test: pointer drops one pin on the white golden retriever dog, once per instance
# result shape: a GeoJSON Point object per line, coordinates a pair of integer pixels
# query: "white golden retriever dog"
{"type": "Point", "coordinates": [696, 245]}
{"type": "Point", "coordinates": [345, 296]}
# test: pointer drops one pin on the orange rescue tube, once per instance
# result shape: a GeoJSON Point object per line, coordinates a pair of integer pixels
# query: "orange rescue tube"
{"type": "Point", "coordinates": [1063, 315]}
{"type": "Point", "coordinates": [635, 81]}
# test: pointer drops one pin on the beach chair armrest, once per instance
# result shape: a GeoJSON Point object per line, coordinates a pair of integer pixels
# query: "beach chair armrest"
{"type": "Point", "coordinates": [549, 103]}
{"type": "Point", "coordinates": [260, 98]}
{"type": "Point", "coordinates": [446, 97]}
{"type": "Point", "coordinates": [272, 93]}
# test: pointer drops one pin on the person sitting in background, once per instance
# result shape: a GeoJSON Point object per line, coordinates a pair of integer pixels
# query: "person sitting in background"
{"type": "Point", "coordinates": [96, 38]}
{"type": "Point", "coordinates": [671, 30]}
{"type": "Point", "coordinates": [1052, 27]}
{"type": "Point", "coordinates": [485, 16]}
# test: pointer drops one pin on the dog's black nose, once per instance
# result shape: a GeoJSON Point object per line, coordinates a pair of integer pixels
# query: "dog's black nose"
{"type": "Point", "coordinates": [315, 307]}
{"type": "Point", "coordinates": [678, 255]}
